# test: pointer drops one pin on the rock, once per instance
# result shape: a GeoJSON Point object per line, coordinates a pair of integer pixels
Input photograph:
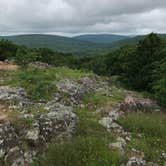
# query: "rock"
{"type": "Point", "coordinates": [33, 135]}
{"type": "Point", "coordinates": [54, 106]}
{"type": "Point", "coordinates": [15, 157]}
{"type": "Point", "coordinates": [57, 123]}
{"type": "Point", "coordinates": [75, 91]}
{"type": "Point", "coordinates": [106, 122]}
{"type": "Point", "coordinates": [134, 104]}
{"type": "Point", "coordinates": [40, 65]}
{"type": "Point", "coordinates": [115, 114]}
{"type": "Point", "coordinates": [119, 145]}
{"type": "Point", "coordinates": [15, 97]}
{"type": "Point", "coordinates": [135, 161]}
{"type": "Point", "coordinates": [8, 138]}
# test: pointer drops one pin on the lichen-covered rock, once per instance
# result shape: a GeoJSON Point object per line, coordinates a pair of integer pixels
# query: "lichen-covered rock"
{"type": "Point", "coordinates": [118, 145]}
{"type": "Point", "coordinates": [15, 97]}
{"type": "Point", "coordinates": [131, 104]}
{"type": "Point", "coordinates": [135, 161]}
{"type": "Point", "coordinates": [8, 137]}
{"type": "Point", "coordinates": [73, 89]}
{"type": "Point", "coordinates": [78, 89]}
{"type": "Point", "coordinates": [40, 65]}
{"type": "Point", "coordinates": [57, 123]}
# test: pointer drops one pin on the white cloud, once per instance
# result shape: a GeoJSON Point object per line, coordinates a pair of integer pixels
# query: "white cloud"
{"type": "Point", "coordinates": [82, 16]}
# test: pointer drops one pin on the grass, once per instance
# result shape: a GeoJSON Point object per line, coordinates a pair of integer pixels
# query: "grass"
{"type": "Point", "coordinates": [99, 100]}
{"type": "Point", "coordinates": [152, 127]}
{"type": "Point", "coordinates": [18, 121]}
{"type": "Point", "coordinates": [88, 151]}
{"type": "Point", "coordinates": [88, 147]}
{"type": "Point", "coordinates": [41, 84]}
{"type": "Point", "coordinates": [5, 77]}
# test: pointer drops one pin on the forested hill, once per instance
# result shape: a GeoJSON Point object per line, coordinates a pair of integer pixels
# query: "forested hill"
{"type": "Point", "coordinates": [102, 38]}
{"type": "Point", "coordinates": [84, 45]}
{"type": "Point", "coordinates": [58, 43]}
{"type": "Point", "coordinates": [131, 41]}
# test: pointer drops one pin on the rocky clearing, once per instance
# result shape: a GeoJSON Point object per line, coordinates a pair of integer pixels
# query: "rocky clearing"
{"type": "Point", "coordinates": [80, 103]}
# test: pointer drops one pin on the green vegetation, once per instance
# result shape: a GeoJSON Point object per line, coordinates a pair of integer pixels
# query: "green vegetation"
{"type": "Point", "coordinates": [58, 43]}
{"type": "Point", "coordinates": [41, 84]}
{"type": "Point", "coordinates": [80, 152]}
{"type": "Point", "coordinates": [100, 100]}
{"type": "Point", "coordinates": [18, 121]}
{"type": "Point", "coordinates": [88, 147]}
{"type": "Point", "coordinates": [140, 67]}
{"type": "Point", "coordinates": [149, 133]}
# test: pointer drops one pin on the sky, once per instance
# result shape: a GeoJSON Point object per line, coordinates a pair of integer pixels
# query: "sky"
{"type": "Point", "coordinates": [72, 17]}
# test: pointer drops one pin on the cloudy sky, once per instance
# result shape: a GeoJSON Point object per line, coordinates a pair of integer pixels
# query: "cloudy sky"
{"type": "Point", "coordinates": [68, 17]}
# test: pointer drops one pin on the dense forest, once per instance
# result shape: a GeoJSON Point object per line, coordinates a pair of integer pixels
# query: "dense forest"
{"type": "Point", "coordinates": [140, 67]}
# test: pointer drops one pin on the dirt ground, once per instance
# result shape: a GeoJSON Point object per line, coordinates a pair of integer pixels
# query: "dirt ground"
{"type": "Point", "coordinates": [7, 66]}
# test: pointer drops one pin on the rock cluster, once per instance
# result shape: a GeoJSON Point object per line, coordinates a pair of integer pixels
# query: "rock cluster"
{"type": "Point", "coordinates": [40, 65]}
{"type": "Point", "coordinates": [57, 122]}
{"type": "Point", "coordinates": [130, 104]}
{"type": "Point", "coordinates": [76, 90]}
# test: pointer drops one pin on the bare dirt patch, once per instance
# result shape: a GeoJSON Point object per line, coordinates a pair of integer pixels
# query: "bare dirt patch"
{"type": "Point", "coordinates": [8, 66]}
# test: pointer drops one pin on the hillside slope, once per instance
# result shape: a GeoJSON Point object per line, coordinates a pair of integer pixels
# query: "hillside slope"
{"type": "Point", "coordinates": [101, 38]}
{"type": "Point", "coordinates": [72, 117]}
{"type": "Point", "coordinates": [57, 43]}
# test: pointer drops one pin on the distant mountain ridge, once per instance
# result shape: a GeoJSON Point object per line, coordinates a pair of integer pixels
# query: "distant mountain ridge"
{"type": "Point", "coordinates": [83, 45]}
{"type": "Point", "coordinates": [101, 38]}
{"type": "Point", "coordinates": [56, 43]}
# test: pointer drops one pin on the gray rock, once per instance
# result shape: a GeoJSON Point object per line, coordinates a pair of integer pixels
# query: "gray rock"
{"type": "Point", "coordinates": [106, 122]}
{"type": "Point", "coordinates": [57, 123]}
{"type": "Point", "coordinates": [15, 157]}
{"type": "Point", "coordinates": [33, 135]}
{"type": "Point", "coordinates": [8, 138]}
{"type": "Point", "coordinates": [134, 104]}
{"type": "Point", "coordinates": [15, 97]}
{"type": "Point", "coordinates": [40, 65]}
{"type": "Point", "coordinates": [119, 145]}
{"type": "Point", "coordinates": [135, 161]}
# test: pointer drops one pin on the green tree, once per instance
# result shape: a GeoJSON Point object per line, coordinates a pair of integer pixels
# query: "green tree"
{"type": "Point", "coordinates": [140, 64]}
{"type": "Point", "coordinates": [25, 56]}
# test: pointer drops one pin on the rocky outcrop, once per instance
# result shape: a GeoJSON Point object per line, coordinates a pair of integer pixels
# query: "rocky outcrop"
{"type": "Point", "coordinates": [8, 138]}
{"type": "Point", "coordinates": [40, 65]}
{"type": "Point", "coordinates": [57, 122]}
{"type": "Point", "coordinates": [76, 90]}
{"type": "Point", "coordinates": [15, 97]}
{"type": "Point", "coordinates": [131, 104]}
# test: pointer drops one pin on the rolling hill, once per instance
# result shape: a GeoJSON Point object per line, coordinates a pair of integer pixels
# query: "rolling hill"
{"type": "Point", "coordinates": [83, 45]}
{"type": "Point", "coordinates": [58, 43]}
{"type": "Point", "coordinates": [101, 38]}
